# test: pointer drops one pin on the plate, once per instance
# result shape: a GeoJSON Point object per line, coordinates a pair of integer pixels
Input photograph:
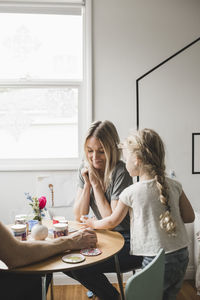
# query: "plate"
{"type": "Point", "coordinates": [91, 251]}
{"type": "Point", "coordinates": [73, 258]}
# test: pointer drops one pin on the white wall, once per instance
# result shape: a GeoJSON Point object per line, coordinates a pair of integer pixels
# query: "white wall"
{"type": "Point", "coordinates": [129, 38]}
{"type": "Point", "coordinates": [13, 185]}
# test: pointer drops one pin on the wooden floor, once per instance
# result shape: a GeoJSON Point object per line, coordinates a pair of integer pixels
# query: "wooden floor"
{"type": "Point", "coordinates": [188, 291]}
{"type": "Point", "coordinates": [77, 292]}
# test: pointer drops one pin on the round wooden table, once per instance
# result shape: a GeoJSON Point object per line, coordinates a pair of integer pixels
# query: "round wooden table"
{"type": "Point", "coordinates": [109, 242]}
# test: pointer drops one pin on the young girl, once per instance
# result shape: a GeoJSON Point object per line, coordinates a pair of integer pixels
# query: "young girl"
{"type": "Point", "coordinates": [158, 209]}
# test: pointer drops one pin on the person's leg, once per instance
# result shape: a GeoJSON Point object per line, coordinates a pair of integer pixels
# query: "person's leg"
{"type": "Point", "coordinates": [95, 282]}
{"type": "Point", "coordinates": [20, 286]}
{"type": "Point", "coordinates": [175, 268]}
{"type": "Point", "coordinates": [94, 279]}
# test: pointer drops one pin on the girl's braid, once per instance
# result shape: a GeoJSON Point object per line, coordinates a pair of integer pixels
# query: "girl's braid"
{"type": "Point", "coordinates": [166, 221]}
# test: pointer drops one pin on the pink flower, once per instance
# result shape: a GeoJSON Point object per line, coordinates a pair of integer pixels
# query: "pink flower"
{"type": "Point", "coordinates": [42, 202]}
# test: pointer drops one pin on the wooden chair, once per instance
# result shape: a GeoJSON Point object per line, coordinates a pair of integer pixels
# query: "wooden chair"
{"type": "Point", "coordinates": [147, 283]}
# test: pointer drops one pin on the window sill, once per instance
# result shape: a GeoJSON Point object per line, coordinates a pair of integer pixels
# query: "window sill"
{"type": "Point", "coordinates": [39, 164]}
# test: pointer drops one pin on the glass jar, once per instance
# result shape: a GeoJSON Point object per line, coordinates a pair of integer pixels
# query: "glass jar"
{"type": "Point", "coordinates": [60, 230]}
{"type": "Point", "coordinates": [22, 219]}
{"type": "Point", "coordinates": [19, 231]}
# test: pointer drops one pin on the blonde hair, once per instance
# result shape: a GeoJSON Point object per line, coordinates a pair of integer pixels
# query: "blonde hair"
{"type": "Point", "coordinates": [106, 133]}
{"type": "Point", "coordinates": [149, 148]}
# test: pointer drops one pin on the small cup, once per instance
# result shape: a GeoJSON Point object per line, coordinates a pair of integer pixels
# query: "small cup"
{"type": "Point", "coordinates": [19, 231]}
{"type": "Point", "coordinates": [22, 219]}
{"type": "Point", "coordinates": [60, 230]}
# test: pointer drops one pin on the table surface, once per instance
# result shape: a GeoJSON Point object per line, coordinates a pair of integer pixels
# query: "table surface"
{"type": "Point", "coordinates": [109, 242]}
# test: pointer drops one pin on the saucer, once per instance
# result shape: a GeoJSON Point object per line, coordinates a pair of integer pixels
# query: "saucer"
{"type": "Point", "coordinates": [73, 258]}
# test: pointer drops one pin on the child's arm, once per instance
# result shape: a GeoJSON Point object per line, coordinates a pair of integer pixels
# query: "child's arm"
{"type": "Point", "coordinates": [112, 221]}
{"type": "Point", "coordinates": [187, 212]}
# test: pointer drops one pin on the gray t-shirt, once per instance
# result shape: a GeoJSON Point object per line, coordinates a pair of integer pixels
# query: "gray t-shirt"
{"type": "Point", "coordinates": [119, 181]}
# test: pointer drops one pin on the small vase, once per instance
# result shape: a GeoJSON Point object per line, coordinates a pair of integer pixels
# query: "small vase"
{"type": "Point", "coordinates": [39, 231]}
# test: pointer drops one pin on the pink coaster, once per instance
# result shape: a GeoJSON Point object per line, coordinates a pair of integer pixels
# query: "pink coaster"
{"type": "Point", "coordinates": [91, 251]}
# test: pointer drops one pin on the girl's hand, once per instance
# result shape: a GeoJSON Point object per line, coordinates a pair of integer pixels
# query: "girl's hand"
{"type": "Point", "coordinates": [88, 222]}
{"type": "Point", "coordinates": [83, 218]}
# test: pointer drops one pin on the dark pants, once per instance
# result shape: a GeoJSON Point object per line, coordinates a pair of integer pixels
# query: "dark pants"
{"type": "Point", "coordinates": [22, 286]}
{"type": "Point", "coordinates": [175, 267]}
{"type": "Point", "coordinates": [94, 279]}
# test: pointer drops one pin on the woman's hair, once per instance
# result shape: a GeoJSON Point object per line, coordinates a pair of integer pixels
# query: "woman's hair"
{"type": "Point", "coordinates": [149, 148]}
{"type": "Point", "coordinates": [107, 135]}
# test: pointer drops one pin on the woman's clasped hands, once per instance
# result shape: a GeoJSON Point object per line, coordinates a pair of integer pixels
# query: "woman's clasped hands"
{"type": "Point", "coordinates": [90, 177]}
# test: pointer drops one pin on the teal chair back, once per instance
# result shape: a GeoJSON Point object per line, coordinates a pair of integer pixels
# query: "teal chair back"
{"type": "Point", "coordinates": [147, 284]}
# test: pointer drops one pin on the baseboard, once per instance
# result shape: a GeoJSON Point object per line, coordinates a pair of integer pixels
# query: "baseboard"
{"type": "Point", "coordinates": [190, 273]}
{"type": "Point", "coordinates": [62, 279]}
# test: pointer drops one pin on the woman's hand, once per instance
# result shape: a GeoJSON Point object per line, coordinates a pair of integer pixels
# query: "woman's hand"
{"type": "Point", "coordinates": [90, 177]}
{"type": "Point", "coordinates": [85, 174]}
{"type": "Point", "coordinates": [93, 178]}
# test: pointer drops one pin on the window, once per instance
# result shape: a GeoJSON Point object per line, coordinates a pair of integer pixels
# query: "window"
{"type": "Point", "coordinates": [45, 92]}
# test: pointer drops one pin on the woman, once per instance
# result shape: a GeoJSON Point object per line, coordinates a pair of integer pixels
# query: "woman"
{"type": "Point", "coordinates": [102, 177]}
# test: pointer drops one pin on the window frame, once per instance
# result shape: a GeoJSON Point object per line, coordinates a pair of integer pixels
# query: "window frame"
{"type": "Point", "coordinates": [84, 86]}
